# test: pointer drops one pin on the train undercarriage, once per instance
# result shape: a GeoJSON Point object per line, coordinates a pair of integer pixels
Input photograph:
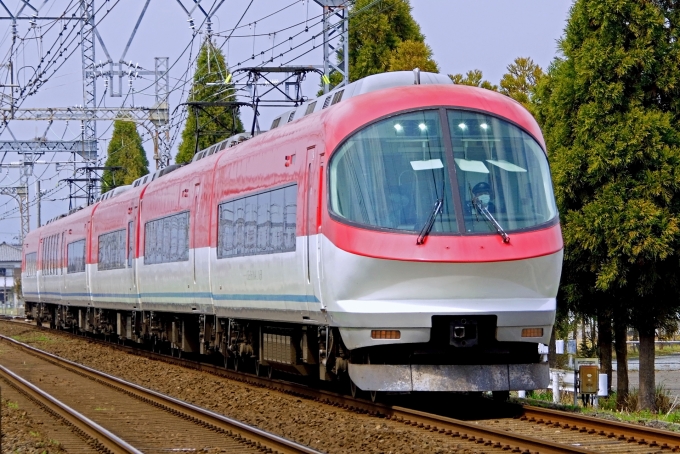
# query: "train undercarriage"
{"type": "Point", "coordinates": [318, 352]}
{"type": "Point", "coordinates": [266, 346]}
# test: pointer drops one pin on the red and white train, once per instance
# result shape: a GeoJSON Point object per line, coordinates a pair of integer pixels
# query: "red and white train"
{"type": "Point", "coordinates": [402, 234]}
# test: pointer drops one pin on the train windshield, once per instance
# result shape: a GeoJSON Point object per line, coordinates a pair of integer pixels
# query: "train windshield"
{"type": "Point", "coordinates": [502, 174]}
{"type": "Point", "coordinates": [393, 173]}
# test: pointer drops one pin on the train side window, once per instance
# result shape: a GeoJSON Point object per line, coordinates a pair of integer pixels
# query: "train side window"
{"type": "Point", "coordinates": [75, 257]}
{"type": "Point", "coordinates": [276, 205]}
{"type": "Point", "coordinates": [239, 226]}
{"type": "Point", "coordinates": [44, 266]}
{"type": "Point", "coordinates": [258, 224]}
{"type": "Point", "coordinates": [275, 123]}
{"type": "Point", "coordinates": [167, 239]}
{"type": "Point", "coordinates": [50, 255]}
{"type": "Point", "coordinates": [111, 250]}
{"type": "Point", "coordinates": [131, 243]}
{"type": "Point", "coordinates": [263, 223]}
{"type": "Point", "coordinates": [251, 225]}
{"type": "Point", "coordinates": [31, 263]}
{"type": "Point", "coordinates": [289, 217]}
{"type": "Point", "coordinates": [225, 240]}
{"type": "Point", "coordinates": [310, 108]}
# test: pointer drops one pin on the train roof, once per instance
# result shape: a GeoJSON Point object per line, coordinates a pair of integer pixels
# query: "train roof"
{"type": "Point", "coordinates": [366, 85]}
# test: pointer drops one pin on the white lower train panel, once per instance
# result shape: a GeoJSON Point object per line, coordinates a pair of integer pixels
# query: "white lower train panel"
{"type": "Point", "coordinates": [364, 293]}
{"type": "Point", "coordinates": [320, 283]}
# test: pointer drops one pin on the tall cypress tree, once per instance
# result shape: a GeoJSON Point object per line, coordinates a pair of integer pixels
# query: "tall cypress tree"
{"type": "Point", "coordinates": [214, 123]}
{"type": "Point", "coordinates": [126, 152]}
{"type": "Point", "coordinates": [609, 108]}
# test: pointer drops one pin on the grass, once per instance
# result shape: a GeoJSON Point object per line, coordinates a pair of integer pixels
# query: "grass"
{"type": "Point", "coordinates": [32, 337]}
{"type": "Point", "coordinates": [544, 398]}
{"type": "Point", "coordinates": [662, 350]}
{"type": "Point", "coordinates": [12, 405]}
{"type": "Point", "coordinates": [668, 406]}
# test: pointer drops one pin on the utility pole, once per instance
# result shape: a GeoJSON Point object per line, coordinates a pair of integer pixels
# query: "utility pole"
{"type": "Point", "coordinates": [85, 177]}
{"type": "Point", "coordinates": [335, 24]}
{"type": "Point", "coordinates": [38, 196]}
{"type": "Point", "coordinates": [20, 194]}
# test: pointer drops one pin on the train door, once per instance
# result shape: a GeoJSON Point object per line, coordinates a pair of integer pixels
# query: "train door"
{"type": "Point", "coordinates": [313, 206]}
{"type": "Point", "coordinates": [194, 227]}
{"type": "Point", "coordinates": [63, 267]}
{"type": "Point", "coordinates": [130, 255]}
{"type": "Point", "coordinates": [38, 269]}
{"type": "Point", "coordinates": [201, 252]}
{"type": "Point", "coordinates": [89, 268]}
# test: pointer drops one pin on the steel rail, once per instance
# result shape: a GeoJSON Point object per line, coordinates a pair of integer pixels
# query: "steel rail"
{"type": "Point", "coordinates": [253, 435]}
{"type": "Point", "coordinates": [499, 439]}
{"type": "Point", "coordinates": [101, 438]}
{"type": "Point", "coordinates": [654, 438]}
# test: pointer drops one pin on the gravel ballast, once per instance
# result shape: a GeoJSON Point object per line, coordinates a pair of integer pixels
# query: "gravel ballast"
{"type": "Point", "coordinates": [321, 426]}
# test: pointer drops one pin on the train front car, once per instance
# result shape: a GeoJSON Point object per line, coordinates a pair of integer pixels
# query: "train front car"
{"type": "Point", "coordinates": [441, 245]}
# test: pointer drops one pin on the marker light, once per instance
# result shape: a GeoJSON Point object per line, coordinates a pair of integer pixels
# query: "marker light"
{"type": "Point", "coordinates": [398, 127]}
{"type": "Point", "coordinates": [532, 332]}
{"type": "Point", "coordinates": [385, 334]}
{"type": "Point", "coordinates": [484, 126]}
{"type": "Point", "coordinates": [422, 126]}
{"type": "Point", "coordinates": [462, 126]}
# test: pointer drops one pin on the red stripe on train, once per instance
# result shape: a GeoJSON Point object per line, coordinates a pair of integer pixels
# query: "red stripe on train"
{"type": "Point", "coordinates": [440, 248]}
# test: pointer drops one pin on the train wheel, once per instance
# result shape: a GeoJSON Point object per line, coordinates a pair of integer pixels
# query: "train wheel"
{"type": "Point", "coordinates": [236, 364]}
{"type": "Point", "coordinates": [270, 372]}
{"type": "Point", "coordinates": [353, 388]}
{"type": "Point", "coordinates": [226, 361]}
{"type": "Point", "coordinates": [374, 396]}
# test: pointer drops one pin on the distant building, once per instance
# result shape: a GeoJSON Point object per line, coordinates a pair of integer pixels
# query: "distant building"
{"type": "Point", "coordinates": [10, 265]}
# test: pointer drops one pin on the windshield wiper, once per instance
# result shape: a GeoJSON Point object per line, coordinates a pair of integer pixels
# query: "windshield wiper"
{"type": "Point", "coordinates": [427, 228]}
{"type": "Point", "coordinates": [489, 217]}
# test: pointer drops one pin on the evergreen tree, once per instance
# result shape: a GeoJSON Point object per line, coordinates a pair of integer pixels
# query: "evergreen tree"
{"type": "Point", "coordinates": [383, 36]}
{"type": "Point", "coordinates": [609, 109]}
{"type": "Point", "coordinates": [214, 123]}
{"type": "Point", "coordinates": [126, 152]}
{"type": "Point", "coordinates": [519, 82]}
{"type": "Point", "coordinates": [473, 78]}
{"type": "Point", "coordinates": [413, 54]}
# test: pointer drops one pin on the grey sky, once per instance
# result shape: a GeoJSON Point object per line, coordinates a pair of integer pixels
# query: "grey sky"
{"type": "Point", "coordinates": [464, 35]}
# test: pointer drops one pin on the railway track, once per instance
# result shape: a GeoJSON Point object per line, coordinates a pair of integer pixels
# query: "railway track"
{"type": "Point", "coordinates": [532, 429]}
{"type": "Point", "coordinates": [116, 416]}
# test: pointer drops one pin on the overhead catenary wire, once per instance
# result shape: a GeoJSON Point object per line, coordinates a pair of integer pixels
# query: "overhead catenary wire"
{"type": "Point", "coordinates": [182, 83]}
